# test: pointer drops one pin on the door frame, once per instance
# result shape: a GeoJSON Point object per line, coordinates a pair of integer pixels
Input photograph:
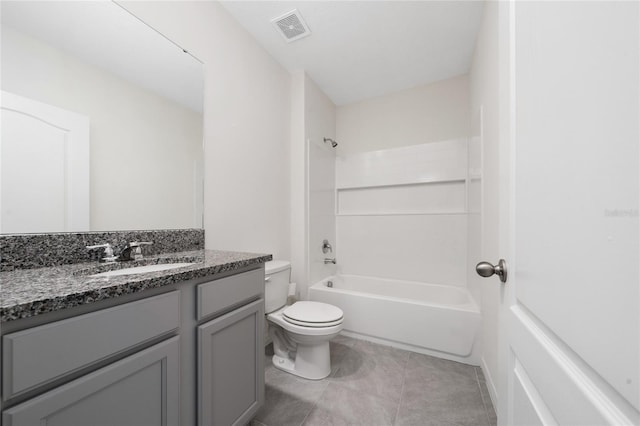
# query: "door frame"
{"type": "Point", "coordinates": [506, 85]}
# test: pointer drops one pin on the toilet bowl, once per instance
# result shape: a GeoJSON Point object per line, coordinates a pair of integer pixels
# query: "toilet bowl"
{"type": "Point", "coordinates": [300, 332]}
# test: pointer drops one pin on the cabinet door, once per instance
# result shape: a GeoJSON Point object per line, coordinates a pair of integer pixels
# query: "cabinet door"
{"type": "Point", "coordinates": [140, 390]}
{"type": "Point", "coordinates": [231, 367]}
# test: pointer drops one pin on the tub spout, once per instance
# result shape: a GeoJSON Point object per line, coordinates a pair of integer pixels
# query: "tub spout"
{"type": "Point", "coordinates": [327, 260]}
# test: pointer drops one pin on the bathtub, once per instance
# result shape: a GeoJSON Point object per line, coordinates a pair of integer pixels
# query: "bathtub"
{"type": "Point", "coordinates": [433, 319]}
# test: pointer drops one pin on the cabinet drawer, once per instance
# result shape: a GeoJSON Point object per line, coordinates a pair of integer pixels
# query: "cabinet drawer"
{"type": "Point", "coordinates": [216, 296]}
{"type": "Point", "coordinates": [41, 354]}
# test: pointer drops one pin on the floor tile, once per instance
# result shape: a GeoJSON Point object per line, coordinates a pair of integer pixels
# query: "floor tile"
{"type": "Point", "coordinates": [337, 352]}
{"type": "Point", "coordinates": [486, 398]}
{"type": "Point", "coordinates": [491, 415]}
{"type": "Point", "coordinates": [283, 409]}
{"type": "Point", "coordinates": [480, 375]}
{"type": "Point", "coordinates": [432, 376]}
{"type": "Point", "coordinates": [288, 398]}
{"type": "Point", "coordinates": [488, 405]}
{"type": "Point", "coordinates": [376, 349]}
{"type": "Point", "coordinates": [344, 340]}
{"type": "Point", "coordinates": [458, 407]}
{"type": "Point", "coordinates": [371, 368]}
{"type": "Point", "coordinates": [321, 417]}
{"type": "Point", "coordinates": [438, 391]}
{"type": "Point", "coordinates": [373, 385]}
{"type": "Point", "coordinates": [425, 364]}
{"type": "Point", "coordinates": [342, 405]}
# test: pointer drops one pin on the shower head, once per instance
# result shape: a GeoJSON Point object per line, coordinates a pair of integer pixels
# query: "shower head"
{"type": "Point", "coordinates": [333, 143]}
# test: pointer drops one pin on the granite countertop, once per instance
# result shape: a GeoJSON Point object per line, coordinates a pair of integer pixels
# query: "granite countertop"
{"type": "Point", "coordinates": [28, 292]}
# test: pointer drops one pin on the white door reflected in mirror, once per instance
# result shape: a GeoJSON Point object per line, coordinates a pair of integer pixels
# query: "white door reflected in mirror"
{"type": "Point", "coordinates": [44, 154]}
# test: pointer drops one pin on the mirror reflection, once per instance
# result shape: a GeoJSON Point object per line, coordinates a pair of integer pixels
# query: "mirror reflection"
{"type": "Point", "coordinates": [101, 122]}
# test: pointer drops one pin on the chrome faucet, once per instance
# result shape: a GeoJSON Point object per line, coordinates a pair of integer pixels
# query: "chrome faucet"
{"type": "Point", "coordinates": [327, 260]}
{"type": "Point", "coordinates": [108, 252]}
{"type": "Point", "coordinates": [326, 247]}
{"type": "Point", "coordinates": [133, 251]}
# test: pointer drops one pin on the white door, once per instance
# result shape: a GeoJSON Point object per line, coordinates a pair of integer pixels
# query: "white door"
{"type": "Point", "coordinates": [571, 307]}
{"type": "Point", "coordinates": [44, 180]}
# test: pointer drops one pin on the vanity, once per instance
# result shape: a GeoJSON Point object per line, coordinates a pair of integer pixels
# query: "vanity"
{"type": "Point", "coordinates": [120, 152]}
{"type": "Point", "coordinates": [179, 346]}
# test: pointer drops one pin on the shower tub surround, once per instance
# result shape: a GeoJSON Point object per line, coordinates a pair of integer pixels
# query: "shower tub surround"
{"type": "Point", "coordinates": [401, 213]}
{"type": "Point", "coordinates": [401, 246]}
{"type": "Point", "coordinates": [26, 251]}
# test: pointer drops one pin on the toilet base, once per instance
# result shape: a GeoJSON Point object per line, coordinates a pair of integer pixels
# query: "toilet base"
{"type": "Point", "coordinates": [311, 361]}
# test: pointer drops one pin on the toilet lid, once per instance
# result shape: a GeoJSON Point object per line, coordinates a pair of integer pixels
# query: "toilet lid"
{"type": "Point", "coordinates": [313, 314]}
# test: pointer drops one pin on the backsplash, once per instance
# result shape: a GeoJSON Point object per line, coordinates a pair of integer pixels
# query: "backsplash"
{"type": "Point", "coordinates": [27, 251]}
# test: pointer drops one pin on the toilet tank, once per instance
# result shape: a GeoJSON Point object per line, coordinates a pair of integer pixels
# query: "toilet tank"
{"type": "Point", "coordinates": [277, 274]}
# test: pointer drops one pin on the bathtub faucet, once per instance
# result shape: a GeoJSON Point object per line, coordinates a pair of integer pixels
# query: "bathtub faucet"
{"type": "Point", "coordinates": [327, 260]}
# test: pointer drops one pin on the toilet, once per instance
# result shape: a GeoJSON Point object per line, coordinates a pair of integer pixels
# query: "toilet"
{"type": "Point", "coordinates": [300, 332]}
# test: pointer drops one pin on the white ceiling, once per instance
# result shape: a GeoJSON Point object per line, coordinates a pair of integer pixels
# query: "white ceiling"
{"type": "Point", "coordinates": [362, 49]}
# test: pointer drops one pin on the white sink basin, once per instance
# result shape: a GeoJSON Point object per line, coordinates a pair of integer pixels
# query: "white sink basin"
{"type": "Point", "coordinates": [141, 269]}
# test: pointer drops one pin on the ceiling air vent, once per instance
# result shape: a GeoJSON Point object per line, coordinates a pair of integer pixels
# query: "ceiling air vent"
{"type": "Point", "coordinates": [291, 26]}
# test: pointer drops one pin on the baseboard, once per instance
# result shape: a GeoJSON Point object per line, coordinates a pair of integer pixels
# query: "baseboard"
{"type": "Point", "coordinates": [491, 387]}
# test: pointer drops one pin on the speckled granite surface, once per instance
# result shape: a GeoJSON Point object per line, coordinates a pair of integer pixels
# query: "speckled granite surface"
{"type": "Point", "coordinates": [24, 251]}
{"type": "Point", "coordinates": [29, 292]}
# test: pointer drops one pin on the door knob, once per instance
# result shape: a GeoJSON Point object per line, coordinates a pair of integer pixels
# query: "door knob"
{"type": "Point", "coordinates": [485, 269]}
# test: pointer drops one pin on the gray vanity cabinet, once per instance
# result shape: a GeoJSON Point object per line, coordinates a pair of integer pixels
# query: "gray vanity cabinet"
{"type": "Point", "coordinates": [139, 390]}
{"type": "Point", "coordinates": [190, 352]}
{"type": "Point", "coordinates": [231, 366]}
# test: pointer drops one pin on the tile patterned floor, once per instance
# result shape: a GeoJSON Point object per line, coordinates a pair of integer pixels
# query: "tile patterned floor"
{"type": "Point", "coordinates": [376, 385]}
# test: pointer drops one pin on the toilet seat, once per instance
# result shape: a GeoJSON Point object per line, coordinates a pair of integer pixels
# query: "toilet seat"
{"type": "Point", "coordinates": [318, 330]}
{"type": "Point", "coordinates": [313, 314]}
{"type": "Point", "coordinates": [312, 324]}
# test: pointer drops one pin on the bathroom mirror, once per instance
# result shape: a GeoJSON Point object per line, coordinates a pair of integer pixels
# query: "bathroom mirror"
{"type": "Point", "coordinates": [101, 122]}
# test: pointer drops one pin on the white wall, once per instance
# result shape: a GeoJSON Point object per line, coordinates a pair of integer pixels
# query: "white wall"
{"type": "Point", "coordinates": [298, 184]}
{"type": "Point", "coordinates": [433, 112]}
{"type": "Point", "coordinates": [246, 126]}
{"type": "Point", "coordinates": [147, 168]}
{"type": "Point", "coordinates": [484, 230]}
{"type": "Point", "coordinates": [320, 122]}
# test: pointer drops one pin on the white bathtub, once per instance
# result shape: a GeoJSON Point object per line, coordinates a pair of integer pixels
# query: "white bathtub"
{"type": "Point", "coordinates": [428, 318]}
